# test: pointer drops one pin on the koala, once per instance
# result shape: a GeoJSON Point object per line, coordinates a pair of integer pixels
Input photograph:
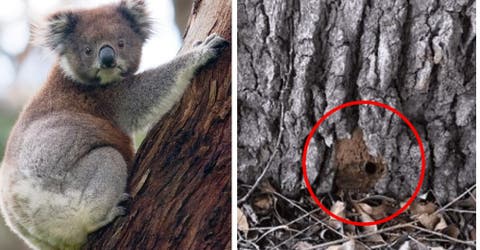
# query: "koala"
{"type": "Point", "coordinates": [65, 166]}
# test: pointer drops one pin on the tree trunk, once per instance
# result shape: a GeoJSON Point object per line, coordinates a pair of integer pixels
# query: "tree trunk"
{"type": "Point", "coordinates": [299, 59]}
{"type": "Point", "coordinates": [180, 180]}
{"type": "Point", "coordinates": [182, 13]}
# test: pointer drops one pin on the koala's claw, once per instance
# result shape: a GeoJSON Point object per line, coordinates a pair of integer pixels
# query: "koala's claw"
{"type": "Point", "coordinates": [197, 43]}
{"type": "Point", "coordinates": [215, 42]}
{"type": "Point", "coordinates": [210, 49]}
{"type": "Point", "coordinates": [125, 197]}
{"type": "Point", "coordinates": [114, 213]}
{"type": "Point", "coordinates": [118, 211]}
{"type": "Point", "coordinates": [211, 37]}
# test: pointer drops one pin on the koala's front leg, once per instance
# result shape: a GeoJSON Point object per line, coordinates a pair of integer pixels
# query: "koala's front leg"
{"type": "Point", "coordinates": [154, 92]}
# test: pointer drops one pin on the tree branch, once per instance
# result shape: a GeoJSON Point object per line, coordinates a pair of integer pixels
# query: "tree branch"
{"type": "Point", "coordinates": [180, 181]}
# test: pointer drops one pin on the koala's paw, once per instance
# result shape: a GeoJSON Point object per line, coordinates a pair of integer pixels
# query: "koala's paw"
{"type": "Point", "coordinates": [197, 43]}
{"type": "Point", "coordinates": [211, 48]}
{"type": "Point", "coordinates": [125, 197]}
{"type": "Point", "coordinates": [117, 211]}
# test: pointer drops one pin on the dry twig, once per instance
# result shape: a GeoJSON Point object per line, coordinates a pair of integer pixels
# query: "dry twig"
{"type": "Point", "coordinates": [464, 242]}
{"type": "Point", "coordinates": [456, 199]}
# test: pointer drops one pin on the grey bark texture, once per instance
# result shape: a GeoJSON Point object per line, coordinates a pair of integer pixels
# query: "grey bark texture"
{"type": "Point", "coordinates": [299, 59]}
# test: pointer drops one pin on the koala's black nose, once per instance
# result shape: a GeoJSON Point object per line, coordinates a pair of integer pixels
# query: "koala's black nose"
{"type": "Point", "coordinates": [107, 57]}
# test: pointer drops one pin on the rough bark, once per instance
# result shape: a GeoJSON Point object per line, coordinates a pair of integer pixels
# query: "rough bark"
{"type": "Point", "coordinates": [306, 57]}
{"type": "Point", "coordinates": [181, 179]}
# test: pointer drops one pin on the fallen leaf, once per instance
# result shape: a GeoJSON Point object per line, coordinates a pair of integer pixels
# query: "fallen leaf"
{"type": "Point", "coordinates": [468, 203]}
{"type": "Point", "coordinates": [267, 187]}
{"type": "Point", "coordinates": [434, 222]}
{"type": "Point", "coordinates": [242, 222]}
{"type": "Point", "coordinates": [418, 208]}
{"type": "Point", "coordinates": [364, 217]}
{"type": "Point", "coordinates": [349, 245]}
{"type": "Point", "coordinates": [429, 221]}
{"type": "Point", "coordinates": [302, 245]}
{"type": "Point", "coordinates": [376, 212]}
{"type": "Point", "coordinates": [263, 203]}
{"type": "Point", "coordinates": [366, 208]}
{"type": "Point", "coordinates": [405, 246]}
{"type": "Point", "coordinates": [452, 231]}
{"type": "Point", "coordinates": [338, 208]}
{"type": "Point", "coordinates": [442, 224]}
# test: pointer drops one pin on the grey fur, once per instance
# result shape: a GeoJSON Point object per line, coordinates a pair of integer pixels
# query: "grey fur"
{"type": "Point", "coordinates": [153, 93]}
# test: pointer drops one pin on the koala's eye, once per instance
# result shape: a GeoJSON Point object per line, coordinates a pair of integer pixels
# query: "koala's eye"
{"type": "Point", "coordinates": [121, 43]}
{"type": "Point", "coordinates": [88, 51]}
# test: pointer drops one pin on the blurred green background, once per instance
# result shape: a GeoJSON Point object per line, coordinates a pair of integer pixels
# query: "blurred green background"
{"type": "Point", "coordinates": [24, 67]}
{"type": "Point", "coordinates": [6, 122]}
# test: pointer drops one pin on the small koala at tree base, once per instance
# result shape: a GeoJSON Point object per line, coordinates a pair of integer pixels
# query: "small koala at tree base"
{"type": "Point", "coordinates": [65, 165]}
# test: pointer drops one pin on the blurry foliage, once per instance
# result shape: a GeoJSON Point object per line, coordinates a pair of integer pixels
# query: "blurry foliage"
{"type": "Point", "coordinates": [6, 124]}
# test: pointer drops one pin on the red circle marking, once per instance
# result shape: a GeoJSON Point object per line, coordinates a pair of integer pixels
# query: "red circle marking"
{"type": "Point", "coordinates": [304, 162]}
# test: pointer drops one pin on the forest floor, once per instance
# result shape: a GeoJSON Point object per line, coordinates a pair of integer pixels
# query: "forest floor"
{"type": "Point", "coordinates": [269, 220]}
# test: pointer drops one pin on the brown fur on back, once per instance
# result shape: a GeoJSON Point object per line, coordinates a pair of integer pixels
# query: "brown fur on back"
{"type": "Point", "coordinates": [62, 95]}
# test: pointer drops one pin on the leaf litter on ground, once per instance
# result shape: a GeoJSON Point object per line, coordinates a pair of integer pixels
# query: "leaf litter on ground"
{"type": "Point", "coordinates": [276, 221]}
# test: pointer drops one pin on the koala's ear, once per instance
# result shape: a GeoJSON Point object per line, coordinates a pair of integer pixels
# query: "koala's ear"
{"type": "Point", "coordinates": [135, 12]}
{"type": "Point", "coordinates": [53, 32]}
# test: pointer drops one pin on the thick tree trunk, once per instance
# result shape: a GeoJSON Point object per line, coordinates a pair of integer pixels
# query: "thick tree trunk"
{"type": "Point", "coordinates": [180, 181]}
{"type": "Point", "coordinates": [299, 59]}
